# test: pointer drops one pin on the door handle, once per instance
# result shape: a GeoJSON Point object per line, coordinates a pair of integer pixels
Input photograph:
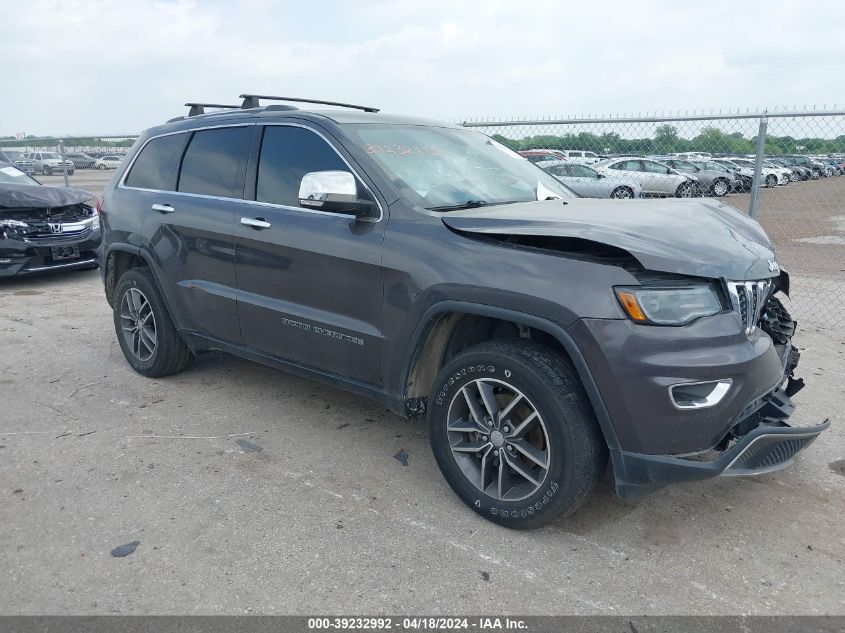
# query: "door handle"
{"type": "Point", "coordinates": [163, 208]}
{"type": "Point", "coordinates": [256, 223]}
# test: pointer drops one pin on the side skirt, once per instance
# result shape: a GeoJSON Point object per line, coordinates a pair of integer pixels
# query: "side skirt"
{"type": "Point", "coordinates": [200, 342]}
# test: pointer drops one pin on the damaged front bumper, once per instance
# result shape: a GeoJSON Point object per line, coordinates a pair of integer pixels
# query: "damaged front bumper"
{"type": "Point", "coordinates": [768, 447]}
{"type": "Point", "coordinates": [741, 429]}
{"type": "Point", "coordinates": [73, 245]}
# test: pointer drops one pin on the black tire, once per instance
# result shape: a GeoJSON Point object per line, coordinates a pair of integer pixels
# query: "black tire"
{"type": "Point", "coordinates": [170, 355]}
{"type": "Point", "coordinates": [101, 166]}
{"type": "Point", "coordinates": [575, 450]}
{"type": "Point", "coordinates": [771, 180]}
{"type": "Point", "coordinates": [47, 171]}
{"type": "Point", "coordinates": [687, 190]}
{"type": "Point", "coordinates": [720, 187]}
{"type": "Point", "coordinates": [622, 193]}
{"type": "Point", "coordinates": [70, 172]}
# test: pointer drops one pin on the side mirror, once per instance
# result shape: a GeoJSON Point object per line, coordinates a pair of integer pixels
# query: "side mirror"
{"type": "Point", "coordinates": [669, 170]}
{"type": "Point", "coordinates": [335, 192]}
{"type": "Point", "coordinates": [600, 175]}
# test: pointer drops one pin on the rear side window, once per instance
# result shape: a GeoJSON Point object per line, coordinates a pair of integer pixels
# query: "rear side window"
{"type": "Point", "coordinates": [287, 154]}
{"type": "Point", "coordinates": [213, 161]}
{"type": "Point", "coordinates": [157, 166]}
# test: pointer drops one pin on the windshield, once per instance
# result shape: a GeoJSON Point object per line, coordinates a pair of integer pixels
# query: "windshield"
{"type": "Point", "coordinates": [50, 155]}
{"type": "Point", "coordinates": [441, 168]}
{"type": "Point", "coordinates": [10, 175]}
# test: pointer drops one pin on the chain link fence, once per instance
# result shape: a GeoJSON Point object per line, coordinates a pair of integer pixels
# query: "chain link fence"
{"type": "Point", "coordinates": [87, 162]}
{"type": "Point", "coordinates": [784, 168]}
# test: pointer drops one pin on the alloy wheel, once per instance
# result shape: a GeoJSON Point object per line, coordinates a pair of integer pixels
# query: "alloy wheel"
{"type": "Point", "coordinates": [720, 188]}
{"type": "Point", "coordinates": [621, 193]}
{"type": "Point", "coordinates": [138, 324]}
{"type": "Point", "coordinates": [498, 439]}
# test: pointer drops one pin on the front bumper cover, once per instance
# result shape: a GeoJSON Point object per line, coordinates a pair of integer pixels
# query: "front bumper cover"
{"type": "Point", "coordinates": [19, 257]}
{"type": "Point", "coordinates": [769, 447]}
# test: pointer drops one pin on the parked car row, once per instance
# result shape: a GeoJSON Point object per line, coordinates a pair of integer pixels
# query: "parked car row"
{"type": "Point", "coordinates": [680, 175]}
{"type": "Point", "coordinates": [49, 163]}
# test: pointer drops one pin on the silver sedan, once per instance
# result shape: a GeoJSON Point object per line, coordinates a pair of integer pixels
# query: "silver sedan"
{"type": "Point", "coordinates": [588, 183]}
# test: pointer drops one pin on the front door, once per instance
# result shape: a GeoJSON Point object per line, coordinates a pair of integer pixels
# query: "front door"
{"type": "Point", "coordinates": [309, 282]}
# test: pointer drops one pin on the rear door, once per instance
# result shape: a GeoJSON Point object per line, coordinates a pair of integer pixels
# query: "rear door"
{"type": "Point", "coordinates": [659, 180]}
{"type": "Point", "coordinates": [309, 282]}
{"type": "Point", "coordinates": [186, 187]}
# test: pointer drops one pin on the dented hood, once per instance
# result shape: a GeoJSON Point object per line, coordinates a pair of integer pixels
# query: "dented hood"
{"type": "Point", "coordinates": [704, 238]}
{"type": "Point", "coordinates": [40, 196]}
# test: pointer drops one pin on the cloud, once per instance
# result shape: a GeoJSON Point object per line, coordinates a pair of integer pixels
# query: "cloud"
{"type": "Point", "coordinates": [80, 66]}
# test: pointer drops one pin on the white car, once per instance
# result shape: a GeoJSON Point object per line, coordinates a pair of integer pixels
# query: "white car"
{"type": "Point", "coordinates": [108, 162]}
{"type": "Point", "coordinates": [772, 175]}
{"type": "Point", "coordinates": [578, 156]}
{"type": "Point", "coordinates": [656, 178]}
{"type": "Point", "coordinates": [588, 183]}
{"type": "Point", "coordinates": [49, 163]}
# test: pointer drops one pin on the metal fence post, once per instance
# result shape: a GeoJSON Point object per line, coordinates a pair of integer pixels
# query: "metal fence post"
{"type": "Point", "coordinates": [758, 166]}
{"type": "Point", "coordinates": [64, 165]}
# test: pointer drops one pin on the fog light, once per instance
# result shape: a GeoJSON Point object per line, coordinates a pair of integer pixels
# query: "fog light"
{"type": "Point", "coordinates": [699, 395]}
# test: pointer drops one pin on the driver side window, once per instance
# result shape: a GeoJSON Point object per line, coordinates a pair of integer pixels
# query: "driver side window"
{"type": "Point", "coordinates": [287, 154]}
{"type": "Point", "coordinates": [654, 168]}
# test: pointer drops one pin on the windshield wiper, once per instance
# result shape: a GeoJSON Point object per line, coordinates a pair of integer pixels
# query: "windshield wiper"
{"type": "Point", "coordinates": [472, 204]}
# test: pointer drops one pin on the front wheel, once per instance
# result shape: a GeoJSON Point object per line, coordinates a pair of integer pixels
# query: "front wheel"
{"type": "Point", "coordinates": [720, 188]}
{"type": "Point", "coordinates": [101, 166]}
{"type": "Point", "coordinates": [514, 434]}
{"type": "Point", "coordinates": [687, 190]}
{"type": "Point", "coordinates": [145, 331]}
{"type": "Point", "coordinates": [771, 180]}
{"type": "Point", "coordinates": [622, 193]}
{"type": "Point", "coordinates": [47, 171]}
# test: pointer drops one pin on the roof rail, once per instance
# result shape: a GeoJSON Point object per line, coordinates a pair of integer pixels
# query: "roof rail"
{"type": "Point", "coordinates": [199, 108]}
{"type": "Point", "coordinates": [251, 101]}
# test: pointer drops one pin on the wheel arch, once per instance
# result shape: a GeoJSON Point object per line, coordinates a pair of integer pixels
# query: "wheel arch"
{"type": "Point", "coordinates": [434, 338]}
{"type": "Point", "coordinates": [120, 257]}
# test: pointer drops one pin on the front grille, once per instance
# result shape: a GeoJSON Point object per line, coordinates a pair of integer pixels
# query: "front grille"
{"type": "Point", "coordinates": [43, 231]}
{"type": "Point", "coordinates": [47, 236]}
{"type": "Point", "coordinates": [776, 322]}
{"type": "Point", "coordinates": [769, 451]}
{"type": "Point", "coordinates": [748, 299]}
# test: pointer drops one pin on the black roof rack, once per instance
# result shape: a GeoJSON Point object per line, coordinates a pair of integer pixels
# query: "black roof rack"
{"type": "Point", "coordinates": [199, 108]}
{"type": "Point", "coordinates": [251, 101]}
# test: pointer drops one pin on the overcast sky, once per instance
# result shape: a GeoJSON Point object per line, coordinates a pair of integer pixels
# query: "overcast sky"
{"type": "Point", "coordinates": [115, 66]}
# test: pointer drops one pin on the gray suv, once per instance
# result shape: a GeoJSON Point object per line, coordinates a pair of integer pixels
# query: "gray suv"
{"type": "Point", "coordinates": [436, 271]}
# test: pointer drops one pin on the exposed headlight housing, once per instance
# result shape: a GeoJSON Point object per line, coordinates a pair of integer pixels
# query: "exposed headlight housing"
{"type": "Point", "coordinates": [677, 305]}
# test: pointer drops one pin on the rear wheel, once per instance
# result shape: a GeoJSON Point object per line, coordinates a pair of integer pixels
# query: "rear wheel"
{"type": "Point", "coordinates": [47, 171]}
{"type": "Point", "coordinates": [101, 166]}
{"type": "Point", "coordinates": [145, 331]}
{"type": "Point", "coordinates": [514, 434]}
{"type": "Point", "coordinates": [622, 193]}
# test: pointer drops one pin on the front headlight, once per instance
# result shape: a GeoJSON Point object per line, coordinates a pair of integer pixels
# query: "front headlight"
{"type": "Point", "coordinates": [669, 306]}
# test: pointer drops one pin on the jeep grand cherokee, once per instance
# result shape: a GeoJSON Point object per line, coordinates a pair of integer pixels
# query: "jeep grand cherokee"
{"type": "Point", "coordinates": [433, 269]}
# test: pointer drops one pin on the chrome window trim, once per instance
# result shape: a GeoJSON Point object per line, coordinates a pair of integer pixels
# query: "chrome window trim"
{"type": "Point", "coordinates": [122, 183]}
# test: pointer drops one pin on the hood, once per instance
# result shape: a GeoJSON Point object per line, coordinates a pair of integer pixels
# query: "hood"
{"type": "Point", "coordinates": [701, 238]}
{"type": "Point", "coordinates": [40, 196]}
